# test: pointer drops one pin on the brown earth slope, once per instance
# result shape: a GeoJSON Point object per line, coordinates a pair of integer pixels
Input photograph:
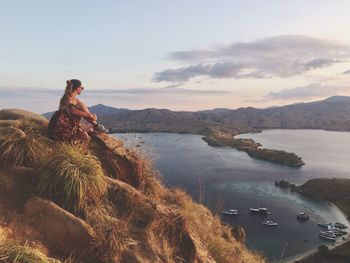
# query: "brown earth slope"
{"type": "Point", "coordinates": [133, 218]}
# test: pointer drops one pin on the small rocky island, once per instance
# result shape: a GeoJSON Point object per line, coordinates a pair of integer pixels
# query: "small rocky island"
{"type": "Point", "coordinates": [253, 149]}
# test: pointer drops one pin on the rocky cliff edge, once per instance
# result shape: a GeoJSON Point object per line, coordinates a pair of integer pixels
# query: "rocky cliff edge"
{"type": "Point", "coordinates": [66, 203]}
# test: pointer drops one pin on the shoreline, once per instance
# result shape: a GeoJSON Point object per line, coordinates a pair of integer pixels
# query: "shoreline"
{"type": "Point", "coordinates": [313, 251]}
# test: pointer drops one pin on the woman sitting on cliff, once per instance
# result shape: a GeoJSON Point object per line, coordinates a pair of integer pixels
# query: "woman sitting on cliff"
{"type": "Point", "coordinates": [65, 123]}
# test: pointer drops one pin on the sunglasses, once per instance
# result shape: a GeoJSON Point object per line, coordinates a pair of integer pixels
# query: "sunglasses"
{"type": "Point", "coordinates": [81, 87]}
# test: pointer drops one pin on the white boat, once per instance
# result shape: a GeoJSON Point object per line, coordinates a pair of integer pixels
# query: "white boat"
{"type": "Point", "coordinates": [269, 223]}
{"type": "Point", "coordinates": [231, 212]}
{"type": "Point", "coordinates": [325, 225]}
{"type": "Point", "coordinates": [260, 210]}
{"type": "Point", "coordinates": [254, 210]}
{"type": "Point", "coordinates": [327, 237]}
{"type": "Point", "coordinates": [341, 231]}
{"type": "Point", "coordinates": [263, 210]}
{"type": "Point", "coordinates": [234, 211]}
{"type": "Point", "coordinates": [340, 225]}
{"type": "Point", "coordinates": [303, 217]}
{"type": "Point", "coordinates": [328, 233]}
{"type": "Point", "coordinates": [337, 231]}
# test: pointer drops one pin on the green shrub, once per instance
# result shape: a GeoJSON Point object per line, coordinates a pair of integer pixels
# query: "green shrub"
{"type": "Point", "coordinates": [71, 177]}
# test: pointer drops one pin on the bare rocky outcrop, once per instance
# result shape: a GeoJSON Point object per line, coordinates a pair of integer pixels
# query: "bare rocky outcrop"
{"type": "Point", "coordinates": [117, 161]}
{"type": "Point", "coordinates": [16, 114]}
{"type": "Point", "coordinates": [61, 230]}
{"type": "Point", "coordinates": [16, 187]}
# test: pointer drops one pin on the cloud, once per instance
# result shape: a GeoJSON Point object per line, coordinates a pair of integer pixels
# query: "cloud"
{"type": "Point", "coordinates": [217, 70]}
{"type": "Point", "coordinates": [279, 56]}
{"type": "Point", "coordinates": [165, 90]}
{"type": "Point", "coordinates": [309, 91]}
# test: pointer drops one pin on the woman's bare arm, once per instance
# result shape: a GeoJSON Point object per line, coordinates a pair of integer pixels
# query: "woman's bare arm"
{"type": "Point", "coordinates": [81, 113]}
{"type": "Point", "coordinates": [81, 106]}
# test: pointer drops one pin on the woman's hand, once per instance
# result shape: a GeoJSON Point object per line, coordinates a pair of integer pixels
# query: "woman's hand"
{"type": "Point", "coordinates": [93, 116]}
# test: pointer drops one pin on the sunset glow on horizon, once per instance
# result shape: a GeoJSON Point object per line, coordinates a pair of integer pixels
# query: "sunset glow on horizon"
{"type": "Point", "coordinates": [188, 55]}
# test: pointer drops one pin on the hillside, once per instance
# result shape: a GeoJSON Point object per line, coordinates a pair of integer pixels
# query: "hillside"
{"type": "Point", "coordinates": [105, 203]}
{"type": "Point", "coordinates": [330, 114]}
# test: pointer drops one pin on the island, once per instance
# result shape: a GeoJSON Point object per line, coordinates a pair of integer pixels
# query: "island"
{"type": "Point", "coordinates": [253, 149]}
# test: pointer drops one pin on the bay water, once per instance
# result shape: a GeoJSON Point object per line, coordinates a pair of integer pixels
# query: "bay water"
{"type": "Point", "coordinates": [230, 179]}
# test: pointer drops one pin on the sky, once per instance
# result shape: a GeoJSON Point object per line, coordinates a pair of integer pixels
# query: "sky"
{"type": "Point", "coordinates": [180, 55]}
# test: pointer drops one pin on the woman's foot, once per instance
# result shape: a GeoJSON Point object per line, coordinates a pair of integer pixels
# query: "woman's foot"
{"type": "Point", "coordinates": [100, 128]}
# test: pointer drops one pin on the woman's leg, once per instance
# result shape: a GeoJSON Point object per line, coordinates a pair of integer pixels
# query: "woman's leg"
{"type": "Point", "coordinates": [95, 125]}
{"type": "Point", "coordinates": [81, 106]}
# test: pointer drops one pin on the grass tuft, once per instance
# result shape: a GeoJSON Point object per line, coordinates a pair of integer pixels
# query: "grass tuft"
{"type": "Point", "coordinates": [71, 178]}
{"type": "Point", "coordinates": [11, 251]}
{"type": "Point", "coordinates": [113, 237]}
{"type": "Point", "coordinates": [148, 177]}
{"type": "Point", "coordinates": [23, 148]}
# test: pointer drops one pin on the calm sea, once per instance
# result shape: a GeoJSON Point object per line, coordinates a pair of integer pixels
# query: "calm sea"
{"type": "Point", "coordinates": [231, 179]}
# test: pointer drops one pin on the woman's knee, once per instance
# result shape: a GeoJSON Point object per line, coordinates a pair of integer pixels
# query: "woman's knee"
{"type": "Point", "coordinates": [81, 105]}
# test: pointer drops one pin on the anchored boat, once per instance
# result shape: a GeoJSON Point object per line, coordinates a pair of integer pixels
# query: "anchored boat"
{"type": "Point", "coordinates": [260, 210]}
{"type": "Point", "coordinates": [303, 217]}
{"type": "Point", "coordinates": [231, 212]}
{"type": "Point", "coordinates": [269, 223]}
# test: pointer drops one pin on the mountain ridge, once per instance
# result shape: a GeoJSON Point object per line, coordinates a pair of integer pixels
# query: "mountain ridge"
{"type": "Point", "coordinates": [332, 113]}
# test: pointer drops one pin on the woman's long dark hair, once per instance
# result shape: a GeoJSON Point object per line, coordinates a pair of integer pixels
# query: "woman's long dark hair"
{"type": "Point", "coordinates": [72, 85]}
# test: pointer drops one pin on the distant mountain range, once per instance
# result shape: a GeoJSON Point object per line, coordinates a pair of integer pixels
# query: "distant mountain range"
{"type": "Point", "coordinates": [329, 114]}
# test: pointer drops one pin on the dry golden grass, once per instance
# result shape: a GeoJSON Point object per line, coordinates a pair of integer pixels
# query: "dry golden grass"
{"type": "Point", "coordinates": [26, 147]}
{"type": "Point", "coordinates": [71, 177]}
{"type": "Point", "coordinates": [214, 235]}
{"type": "Point", "coordinates": [160, 246]}
{"type": "Point", "coordinates": [149, 178]}
{"type": "Point", "coordinates": [113, 237]}
{"type": "Point", "coordinates": [11, 251]}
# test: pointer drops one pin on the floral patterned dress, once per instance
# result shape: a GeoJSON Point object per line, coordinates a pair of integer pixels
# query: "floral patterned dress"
{"type": "Point", "coordinates": [63, 126]}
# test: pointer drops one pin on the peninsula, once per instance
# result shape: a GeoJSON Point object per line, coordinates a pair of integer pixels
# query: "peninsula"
{"type": "Point", "coordinates": [253, 149]}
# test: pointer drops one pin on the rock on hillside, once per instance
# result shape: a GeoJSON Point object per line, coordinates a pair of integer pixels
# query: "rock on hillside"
{"type": "Point", "coordinates": [133, 217]}
{"type": "Point", "coordinates": [10, 115]}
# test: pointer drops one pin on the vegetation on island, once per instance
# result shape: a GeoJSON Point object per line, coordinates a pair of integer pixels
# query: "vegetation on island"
{"type": "Point", "coordinates": [253, 149]}
{"type": "Point", "coordinates": [104, 203]}
{"type": "Point", "coordinates": [276, 156]}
